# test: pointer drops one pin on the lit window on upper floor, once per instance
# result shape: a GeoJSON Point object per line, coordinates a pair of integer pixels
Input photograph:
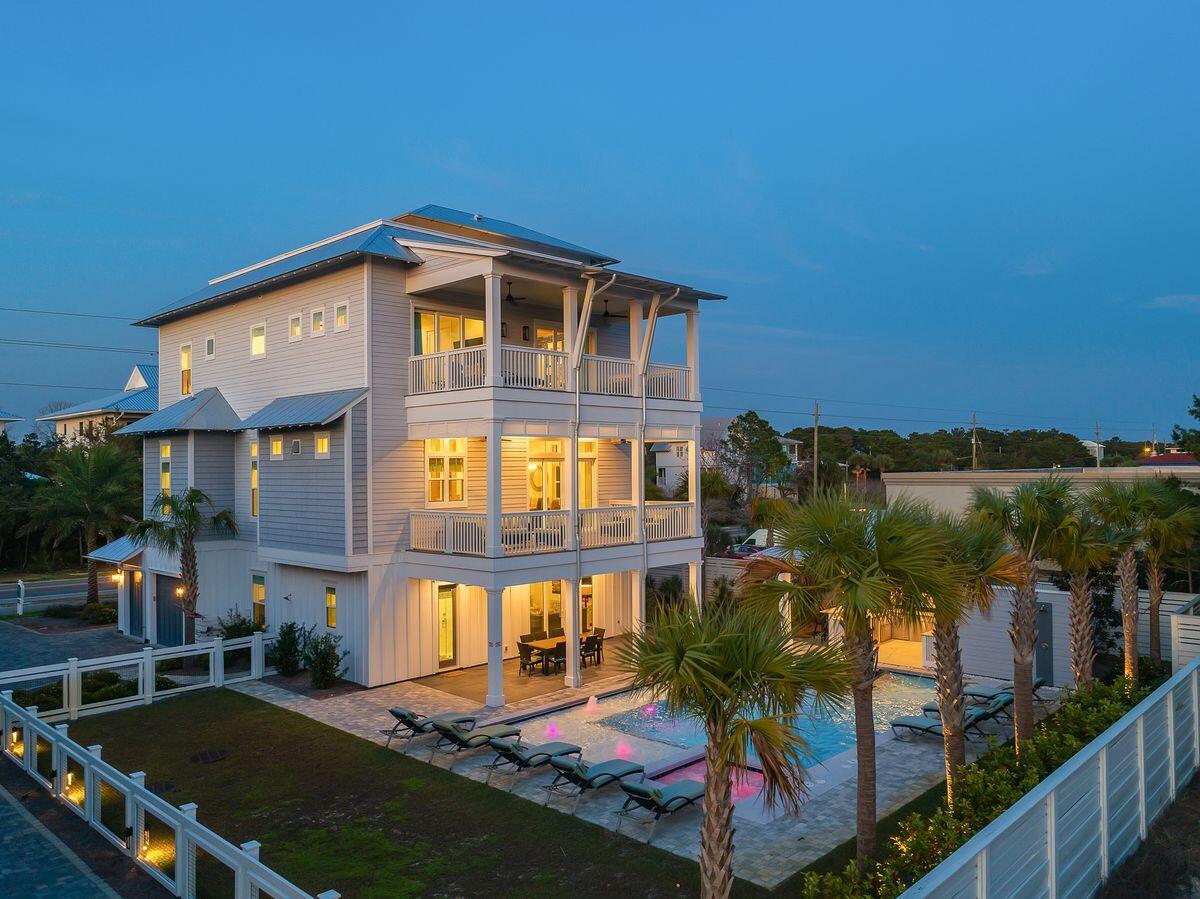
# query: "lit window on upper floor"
{"type": "Point", "coordinates": [258, 340]}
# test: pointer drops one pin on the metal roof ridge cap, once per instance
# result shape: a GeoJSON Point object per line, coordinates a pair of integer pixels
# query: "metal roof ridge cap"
{"type": "Point", "coordinates": [297, 251]}
{"type": "Point", "coordinates": [499, 246]}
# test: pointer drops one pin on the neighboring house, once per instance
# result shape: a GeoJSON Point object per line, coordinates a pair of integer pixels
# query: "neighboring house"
{"type": "Point", "coordinates": [136, 401]}
{"type": "Point", "coordinates": [712, 435]}
{"type": "Point", "coordinates": [431, 431]}
{"type": "Point", "coordinates": [6, 419]}
{"type": "Point", "coordinates": [1095, 450]}
{"type": "Point", "coordinates": [670, 464]}
{"type": "Point", "coordinates": [951, 491]}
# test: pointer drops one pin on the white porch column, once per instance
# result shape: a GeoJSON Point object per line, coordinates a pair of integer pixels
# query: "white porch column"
{"type": "Point", "coordinates": [639, 599]}
{"type": "Point", "coordinates": [495, 545]}
{"type": "Point", "coordinates": [571, 631]}
{"type": "Point", "coordinates": [570, 319]}
{"type": "Point", "coordinates": [694, 483]}
{"type": "Point", "coordinates": [693, 351]}
{"type": "Point", "coordinates": [636, 329]}
{"type": "Point", "coordinates": [495, 647]}
{"type": "Point", "coordinates": [696, 581]}
{"type": "Point", "coordinates": [492, 308]}
{"type": "Point", "coordinates": [570, 488]}
{"type": "Point", "coordinates": [638, 475]}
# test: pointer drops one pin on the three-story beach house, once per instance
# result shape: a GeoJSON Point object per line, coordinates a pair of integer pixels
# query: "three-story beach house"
{"type": "Point", "coordinates": [432, 431]}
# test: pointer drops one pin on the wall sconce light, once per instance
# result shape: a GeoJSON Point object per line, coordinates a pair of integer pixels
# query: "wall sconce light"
{"type": "Point", "coordinates": [503, 329]}
{"type": "Point", "coordinates": [525, 333]}
{"type": "Point", "coordinates": [118, 578]}
{"type": "Point", "coordinates": [179, 590]}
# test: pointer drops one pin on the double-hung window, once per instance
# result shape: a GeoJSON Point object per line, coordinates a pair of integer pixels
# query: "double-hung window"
{"type": "Point", "coordinates": [254, 479]}
{"type": "Point", "coordinates": [258, 340]}
{"type": "Point", "coordinates": [316, 322]}
{"type": "Point", "coordinates": [446, 471]}
{"type": "Point", "coordinates": [258, 599]}
{"type": "Point", "coordinates": [437, 332]}
{"type": "Point", "coordinates": [185, 369]}
{"type": "Point", "coordinates": [330, 606]}
{"type": "Point", "coordinates": [341, 317]}
{"type": "Point", "coordinates": [276, 447]}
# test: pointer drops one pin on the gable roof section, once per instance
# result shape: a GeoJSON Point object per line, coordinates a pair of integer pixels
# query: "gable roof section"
{"type": "Point", "coordinates": [120, 550]}
{"type": "Point", "coordinates": [208, 410]}
{"type": "Point", "coordinates": [143, 375]}
{"type": "Point", "coordinates": [304, 411]}
{"type": "Point", "coordinates": [373, 240]}
{"type": "Point", "coordinates": [466, 224]}
{"type": "Point", "coordinates": [138, 402]}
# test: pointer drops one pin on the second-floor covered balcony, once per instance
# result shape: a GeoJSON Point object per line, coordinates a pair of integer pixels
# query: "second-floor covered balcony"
{"type": "Point", "coordinates": [535, 505]}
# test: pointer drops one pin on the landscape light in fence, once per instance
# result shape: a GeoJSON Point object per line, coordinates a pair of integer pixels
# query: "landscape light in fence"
{"type": "Point", "coordinates": [157, 844]}
{"type": "Point", "coordinates": [16, 741]}
{"type": "Point", "coordinates": [74, 784]}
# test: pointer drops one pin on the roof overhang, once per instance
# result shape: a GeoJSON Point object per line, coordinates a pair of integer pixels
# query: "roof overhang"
{"type": "Point", "coordinates": [118, 552]}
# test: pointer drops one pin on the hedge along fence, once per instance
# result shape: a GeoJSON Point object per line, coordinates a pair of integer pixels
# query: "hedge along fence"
{"type": "Point", "coordinates": [167, 842]}
{"type": "Point", "coordinates": [69, 689]}
{"type": "Point", "coordinates": [1063, 837]}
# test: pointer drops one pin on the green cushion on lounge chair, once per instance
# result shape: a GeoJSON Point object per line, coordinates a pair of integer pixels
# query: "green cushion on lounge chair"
{"type": "Point", "coordinates": [473, 739]}
{"type": "Point", "coordinates": [531, 756]}
{"type": "Point", "coordinates": [661, 795]}
{"type": "Point", "coordinates": [987, 694]}
{"type": "Point", "coordinates": [580, 772]}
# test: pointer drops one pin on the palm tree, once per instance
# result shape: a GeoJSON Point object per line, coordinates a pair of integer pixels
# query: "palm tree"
{"type": "Point", "coordinates": [979, 553]}
{"type": "Point", "coordinates": [1029, 516]}
{"type": "Point", "coordinates": [1169, 529]}
{"type": "Point", "coordinates": [92, 491]}
{"type": "Point", "coordinates": [1081, 546]}
{"type": "Point", "coordinates": [1125, 508]}
{"type": "Point", "coordinates": [737, 672]}
{"type": "Point", "coordinates": [183, 518]}
{"type": "Point", "coordinates": [858, 567]}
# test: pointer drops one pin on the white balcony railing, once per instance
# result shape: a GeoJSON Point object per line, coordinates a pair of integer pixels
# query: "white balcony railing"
{"type": "Point", "coordinates": [602, 374]}
{"type": "Point", "coordinates": [606, 527]}
{"type": "Point", "coordinates": [668, 521]}
{"type": "Point", "coordinates": [668, 382]}
{"type": "Point", "coordinates": [452, 370]}
{"type": "Point", "coordinates": [538, 369]}
{"type": "Point", "coordinates": [526, 533]}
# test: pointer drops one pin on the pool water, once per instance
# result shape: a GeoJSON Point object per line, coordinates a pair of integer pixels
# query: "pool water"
{"type": "Point", "coordinates": [629, 727]}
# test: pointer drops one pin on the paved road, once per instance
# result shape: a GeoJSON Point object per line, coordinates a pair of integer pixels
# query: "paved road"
{"type": "Point", "coordinates": [38, 864]}
{"type": "Point", "coordinates": [23, 648]}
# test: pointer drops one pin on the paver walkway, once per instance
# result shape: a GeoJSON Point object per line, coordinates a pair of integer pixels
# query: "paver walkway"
{"type": "Point", "coordinates": [23, 648]}
{"type": "Point", "coordinates": [768, 852]}
{"type": "Point", "coordinates": [38, 864]}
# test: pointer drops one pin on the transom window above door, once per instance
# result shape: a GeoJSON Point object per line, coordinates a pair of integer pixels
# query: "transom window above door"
{"type": "Point", "coordinates": [437, 332]}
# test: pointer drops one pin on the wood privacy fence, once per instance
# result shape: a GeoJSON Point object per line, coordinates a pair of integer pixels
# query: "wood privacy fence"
{"type": "Point", "coordinates": [167, 842]}
{"type": "Point", "coordinates": [1067, 834]}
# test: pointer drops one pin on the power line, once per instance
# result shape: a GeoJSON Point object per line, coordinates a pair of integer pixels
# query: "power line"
{"type": "Point", "coordinates": [120, 318]}
{"type": "Point", "coordinates": [904, 406]}
{"type": "Point", "coordinates": [57, 386]}
{"type": "Point", "coordinates": [78, 346]}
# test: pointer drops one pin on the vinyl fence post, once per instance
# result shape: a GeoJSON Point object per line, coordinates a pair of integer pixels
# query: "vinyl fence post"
{"type": "Point", "coordinates": [1195, 718]}
{"type": "Point", "coordinates": [91, 787]}
{"type": "Point", "coordinates": [1171, 742]}
{"type": "Point", "coordinates": [258, 663]}
{"type": "Point", "coordinates": [74, 688]}
{"type": "Point", "coordinates": [60, 760]}
{"type": "Point", "coordinates": [243, 887]}
{"type": "Point", "coordinates": [147, 676]}
{"type": "Point", "coordinates": [132, 836]}
{"type": "Point", "coordinates": [981, 874]}
{"type": "Point", "coordinates": [29, 736]}
{"type": "Point", "coordinates": [1102, 782]}
{"type": "Point", "coordinates": [218, 662]}
{"type": "Point", "coordinates": [185, 861]}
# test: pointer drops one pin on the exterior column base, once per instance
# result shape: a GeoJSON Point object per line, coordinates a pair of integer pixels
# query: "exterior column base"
{"type": "Point", "coordinates": [573, 682]}
{"type": "Point", "coordinates": [494, 700]}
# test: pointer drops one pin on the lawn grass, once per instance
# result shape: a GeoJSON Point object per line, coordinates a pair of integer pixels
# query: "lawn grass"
{"type": "Point", "coordinates": [334, 811]}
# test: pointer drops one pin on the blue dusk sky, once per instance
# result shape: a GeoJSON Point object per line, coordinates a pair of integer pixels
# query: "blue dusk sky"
{"type": "Point", "coordinates": [932, 208]}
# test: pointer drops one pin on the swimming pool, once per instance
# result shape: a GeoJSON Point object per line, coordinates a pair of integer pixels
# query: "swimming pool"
{"type": "Point", "coordinates": [629, 727]}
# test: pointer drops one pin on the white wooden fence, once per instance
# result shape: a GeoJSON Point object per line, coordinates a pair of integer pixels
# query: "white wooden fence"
{"type": "Point", "coordinates": [67, 690]}
{"type": "Point", "coordinates": [165, 841]}
{"type": "Point", "coordinates": [1067, 834]}
{"type": "Point", "coordinates": [1185, 636]}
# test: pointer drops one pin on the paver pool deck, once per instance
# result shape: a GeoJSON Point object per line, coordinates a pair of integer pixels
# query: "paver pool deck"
{"type": "Point", "coordinates": [767, 851]}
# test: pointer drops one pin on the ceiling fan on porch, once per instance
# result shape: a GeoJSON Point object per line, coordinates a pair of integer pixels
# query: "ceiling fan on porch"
{"type": "Point", "coordinates": [607, 314]}
{"type": "Point", "coordinates": [509, 298]}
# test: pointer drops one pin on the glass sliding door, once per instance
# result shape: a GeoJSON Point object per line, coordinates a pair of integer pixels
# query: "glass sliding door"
{"type": "Point", "coordinates": [545, 484]}
{"type": "Point", "coordinates": [545, 606]}
{"type": "Point", "coordinates": [446, 624]}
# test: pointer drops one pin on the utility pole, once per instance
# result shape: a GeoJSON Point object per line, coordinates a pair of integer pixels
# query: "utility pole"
{"type": "Point", "coordinates": [1153, 438]}
{"type": "Point", "coordinates": [974, 445]}
{"type": "Point", "coordinates": [1097, 444]}
{"type": "Point", "coordinates": [816, 437]}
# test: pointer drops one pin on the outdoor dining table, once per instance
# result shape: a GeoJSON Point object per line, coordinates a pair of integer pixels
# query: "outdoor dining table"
{"type": "Point", "coordinates": [550, 643]}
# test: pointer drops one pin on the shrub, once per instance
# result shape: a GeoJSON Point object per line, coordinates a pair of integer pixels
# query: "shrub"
{"type": "Point", "coordinates": [62, 610]}
{"type": "Point", "coordinates": [324, 660]}
{"type": "Point", "coordinates": [99, 613]}
{"type": "Point", "coordinates": [287, 653]}
{"type": "Point", "coordinates": [235, 624]}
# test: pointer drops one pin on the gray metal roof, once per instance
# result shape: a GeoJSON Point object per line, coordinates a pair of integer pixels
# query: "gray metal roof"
{"type": "Point", "coordinates": [304, 411]}
{"type": "Point", "coordinates": [435, 216]}
{"type": "Point", "coordinates": [120, 550]}
{"type": "Point", "coordinates": [127, 401]}
{"type": "Point", "coordinates": [375, 241]}
{"type": "Point", "coordinates": [149, 374]}
{"type": "Point", "coordinates": [208, 410]}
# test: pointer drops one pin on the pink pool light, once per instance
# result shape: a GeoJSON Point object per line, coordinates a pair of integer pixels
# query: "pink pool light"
{"type": "Point", "coordinates": [552, 730]}
{"type": "Point", "coordinates": [650, 709]}
{"type": "Point", "coordinates": [624, 750]}
{"type": "Point", "coordinates": [593, 706]}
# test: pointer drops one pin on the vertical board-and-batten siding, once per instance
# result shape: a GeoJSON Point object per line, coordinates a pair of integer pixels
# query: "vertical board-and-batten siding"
{"type": "Point", "coordinates": [298, 594]}
{"type": "Point", "coordinates": [332, 361]}
{"type": "Point", "coordinates": [358, 477]}
{"type": "Point", "coordinates": [151, 471]}
{"type": "Point", "coordinates": [302, 499]}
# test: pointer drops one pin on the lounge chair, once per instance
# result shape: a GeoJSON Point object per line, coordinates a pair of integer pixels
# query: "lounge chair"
{"type": "Point", "coordinates": [973, 718]}
{"type": "Point", "coordinates": [454, 739]}
{"type": "Point", "coordinates": [511, 754]}
{"type": "Point", "coordinates": [979, 693]}
{"type": "Point", "coordinates": [659, 799]}
{"type": "Point", "coordinates": [410, 725]}
{"type": "Point", "coordinates": [575, 777]}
